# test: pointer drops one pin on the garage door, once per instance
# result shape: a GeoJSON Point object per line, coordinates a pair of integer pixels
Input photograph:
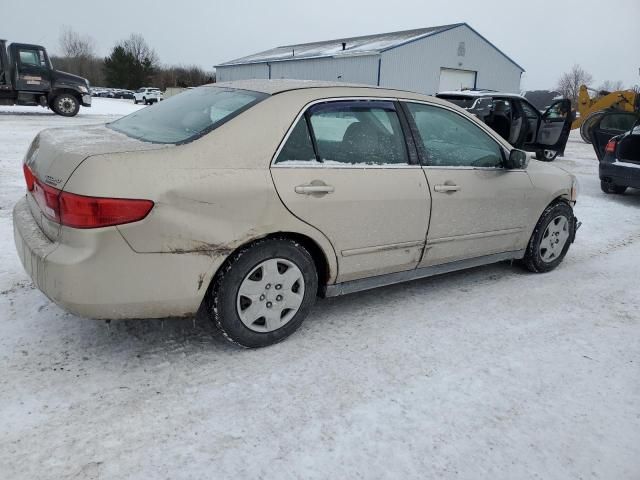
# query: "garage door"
{"type": "Point", "coordinates": [453, 79]}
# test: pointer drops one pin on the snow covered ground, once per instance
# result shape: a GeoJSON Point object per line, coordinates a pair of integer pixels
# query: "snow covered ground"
{"type": "Point", "coordinates": [489, 373]}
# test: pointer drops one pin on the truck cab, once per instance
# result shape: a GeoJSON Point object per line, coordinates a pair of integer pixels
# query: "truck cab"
{"type": "Point", "coordinates": [27, 77]}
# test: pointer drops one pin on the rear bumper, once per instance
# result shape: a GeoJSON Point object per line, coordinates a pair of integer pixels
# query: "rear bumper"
{"type": "Point", "coordinates": [95, 273]}
{"type": "Point", "coordinates": [618, 173]}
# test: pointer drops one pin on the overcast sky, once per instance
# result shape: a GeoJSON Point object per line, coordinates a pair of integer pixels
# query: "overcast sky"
{"type": "Point", "coordinates": [544, 37]}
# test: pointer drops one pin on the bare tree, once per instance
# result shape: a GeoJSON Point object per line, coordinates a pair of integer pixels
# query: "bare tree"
{"type": "Point", "coordinates": [569, 83]}
{"type": "Point", "coordinates": [140, 50]}
{"type": "Point", "coordinates": [74, 45]}
{"type": "Point", "coordinates": [611, 86]}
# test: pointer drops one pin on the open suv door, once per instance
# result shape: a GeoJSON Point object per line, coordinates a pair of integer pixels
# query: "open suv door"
{"type": "Point", "coordinates": [609, 125]}
{"type": "Point", "coordinates": [553, 131]}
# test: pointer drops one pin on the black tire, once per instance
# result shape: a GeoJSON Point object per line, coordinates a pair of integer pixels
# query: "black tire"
{"type": "Point", "coordinates": [66, 104]}
{"type": "Point", "coordinates": [533, 260]}
{"type": "Point", "coordinates": [144, 99]}
{"type": "Point", "coordinates": [540, 155]}
{"type": "Point", "coordinates": [135, 101]}
{"type": "Point", "coordinates": [222, 297]}
{"type": "Point", "coordinates": [611, 188]}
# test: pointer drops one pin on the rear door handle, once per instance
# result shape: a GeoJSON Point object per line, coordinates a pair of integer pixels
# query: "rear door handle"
{"type": "Point", "coordinates": [314, 189]}
{"type": "Point", "coordinates": [446, 188]}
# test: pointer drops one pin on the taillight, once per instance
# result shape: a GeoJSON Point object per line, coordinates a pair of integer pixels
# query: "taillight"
{"type": "Point", "coordinates": [611, 146]}
{"type": "Point", "coordinates": [28, 176]}
{"type": "Point", "coordinates": [81, 211]}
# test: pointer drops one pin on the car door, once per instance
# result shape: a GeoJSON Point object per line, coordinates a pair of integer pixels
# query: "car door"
{"type": "Point", "coordinates": [33, 73]}
{"type": "Point", "coordinates": [555, 126]}
{"type": "Point", "coordinates": [609, 125]}
{"type": "Point", "coordinates": [346, 169]}
{"type": "Point", "coordinates": [478, 207]}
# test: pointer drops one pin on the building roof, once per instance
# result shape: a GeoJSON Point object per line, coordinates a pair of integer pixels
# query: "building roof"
{"type": "Point", "coordinates": [364, 45]}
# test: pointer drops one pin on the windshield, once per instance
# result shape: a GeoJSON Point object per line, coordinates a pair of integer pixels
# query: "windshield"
{"type": "Point", "coordinates": [186, 116]}
{"type": "Point", "coordinates": [464, 102]}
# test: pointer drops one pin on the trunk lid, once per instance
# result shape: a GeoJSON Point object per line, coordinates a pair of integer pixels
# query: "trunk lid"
{"type": "Point", "coordinates": [55, 154]}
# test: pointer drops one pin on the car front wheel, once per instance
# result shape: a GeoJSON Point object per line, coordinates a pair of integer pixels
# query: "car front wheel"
{"type": "Point", "coordinates": [263, 293]}
{"type": "Point", "coordinates": [551, 238]}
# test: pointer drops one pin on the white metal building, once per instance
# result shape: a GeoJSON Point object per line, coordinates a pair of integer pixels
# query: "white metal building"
{"type": "Point", "coordinates": [426, 60]}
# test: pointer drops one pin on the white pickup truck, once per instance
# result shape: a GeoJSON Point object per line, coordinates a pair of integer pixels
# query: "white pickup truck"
{"type": "Point", "coordinates": [147, 95]}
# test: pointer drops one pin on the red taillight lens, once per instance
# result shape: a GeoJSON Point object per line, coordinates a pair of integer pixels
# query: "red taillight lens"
{"type": "Point", "coordinates": [47, 198]}
{"type": "Point", "coordinates": [611, 146]}
{"type": "Point", "coordinates": [28, 176]}
{"type": "Point", "coordinates": [79, 211]}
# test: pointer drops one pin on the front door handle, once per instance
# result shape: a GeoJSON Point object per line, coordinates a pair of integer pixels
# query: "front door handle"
{"type": "Point", "coordinates": [314, 189]}
{"type": "Point", "coordinates": [446, 188]}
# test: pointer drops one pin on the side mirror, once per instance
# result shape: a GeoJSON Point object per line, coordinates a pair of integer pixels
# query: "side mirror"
{"type": "Point", "coordinates": [518, 160]}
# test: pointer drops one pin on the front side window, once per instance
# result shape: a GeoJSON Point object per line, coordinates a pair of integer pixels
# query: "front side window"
{"type": "Point", "coordinates": [358, 132]}
{"type": "Point", "coordinates": [29, 57]}
{"type": "Point", "coordinates": [450, 140]}
{"type": "Point", "coordinates": [185, 117]}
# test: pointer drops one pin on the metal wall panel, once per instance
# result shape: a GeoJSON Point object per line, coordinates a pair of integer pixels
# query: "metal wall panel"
{"type": "Point", "coordinates": [242, 72]}
{"type": "Point", "coordinates": [416, 66]}
{"type": "Point", "coordinates": [355, 69]}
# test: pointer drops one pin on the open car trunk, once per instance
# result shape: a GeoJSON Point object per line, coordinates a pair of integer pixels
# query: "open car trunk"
{"type": "Point", "coordinates": [629, 148]}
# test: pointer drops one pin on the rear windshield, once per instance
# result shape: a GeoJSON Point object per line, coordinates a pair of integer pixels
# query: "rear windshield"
{"type": "Point", "coordinates": [187, 116]}
{"type": "Point", "coordinates": [464, 102]}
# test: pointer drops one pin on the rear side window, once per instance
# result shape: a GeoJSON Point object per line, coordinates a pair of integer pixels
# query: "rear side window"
{"type": "Point", "coordinates": [363, 132]}
{"type": "Point", "coordinates": [620, 122]}
{"type": "Point", "coordinates": [185, 117]}
{"type": "Point", "coordinates": [298, 147]}
{"type": "Point", "coordinates": [358, 132]}
{"type": "Point", "coordinates": [450, 140]}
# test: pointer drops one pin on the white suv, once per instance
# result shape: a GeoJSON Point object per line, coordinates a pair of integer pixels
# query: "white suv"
{"type": "Point", "coordinates": [147, 95]}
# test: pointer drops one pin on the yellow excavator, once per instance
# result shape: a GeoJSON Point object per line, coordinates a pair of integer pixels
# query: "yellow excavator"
{"type": "Point", "coordinates": [592, 108]}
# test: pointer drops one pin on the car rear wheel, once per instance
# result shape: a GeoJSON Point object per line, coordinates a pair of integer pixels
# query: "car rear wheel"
{"type": "Point", "coordinates": [66, 105]}
{"type": "Point", "coordinates": [551, 238]}
{"type": "Point", "coordinates": [263, 293]}
{"type": "Point", "coordinates": [608, 187]}
{"type": "Point", "coordinates": [546, 155]}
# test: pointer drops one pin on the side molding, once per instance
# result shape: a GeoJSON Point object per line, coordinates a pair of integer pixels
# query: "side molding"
{"type": "Point", "coordinates": [399, 277]}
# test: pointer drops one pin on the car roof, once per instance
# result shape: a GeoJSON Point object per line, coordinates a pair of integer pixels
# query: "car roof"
{"type": "Point", "coordinates": [323, 89]}
{"type": "Point", "coordinates": [480, 94]}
